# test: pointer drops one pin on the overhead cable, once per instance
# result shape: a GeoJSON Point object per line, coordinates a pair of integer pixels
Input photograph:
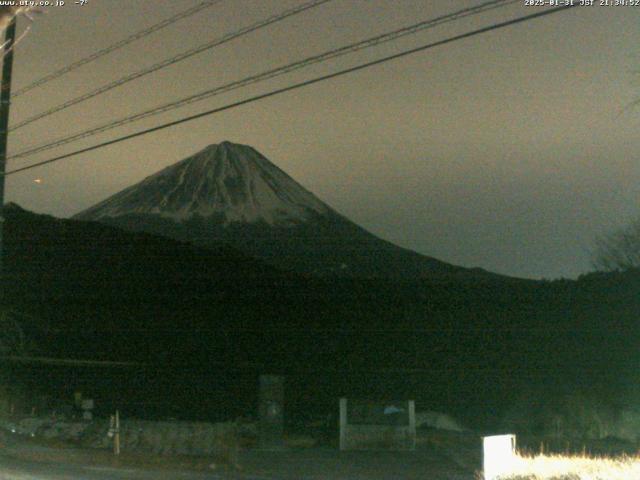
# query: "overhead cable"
{"type": "Point", "coordinates": [269, 74]}
{"type": "Point", "coordinates": [296, 86]}
{"type": "Point", "coordinates": [171, 61]}
{"type": "Point", "coordinates": [116, 46]}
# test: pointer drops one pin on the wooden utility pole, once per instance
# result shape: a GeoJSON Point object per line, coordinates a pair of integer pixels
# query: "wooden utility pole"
{"type": "Point", "coordinates": [116, 437]}
{"type": "Point", "coordinates": [5, 103]}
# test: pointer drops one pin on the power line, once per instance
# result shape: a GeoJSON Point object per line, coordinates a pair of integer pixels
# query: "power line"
{"type": "Point", "coordinates": [269, 74]}
{"type": "Point", "coordinates": [297, 86]}
{"type": "Point", "coordinates": [116, 46]}
{"type": "Point", "coordinates": [173, 60]}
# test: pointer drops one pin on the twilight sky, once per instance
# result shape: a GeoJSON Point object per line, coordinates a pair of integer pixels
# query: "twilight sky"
{"type": "Point", "coordinates": [509, 151]}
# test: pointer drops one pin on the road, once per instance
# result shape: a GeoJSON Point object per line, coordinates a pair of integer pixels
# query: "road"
{"type": "Point", "coordinates": [308, 465]}
{"type": "Point", "coordinates": [23, 460]}
{"type": "Point", "coordinates": [12, 468]}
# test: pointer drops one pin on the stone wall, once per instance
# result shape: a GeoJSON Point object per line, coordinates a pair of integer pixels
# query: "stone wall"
{"type": "Point", "coordinates": [165, 438]}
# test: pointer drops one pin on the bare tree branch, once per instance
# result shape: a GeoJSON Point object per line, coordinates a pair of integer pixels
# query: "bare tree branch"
{"type": "Point", "coordinates": [619, 250]}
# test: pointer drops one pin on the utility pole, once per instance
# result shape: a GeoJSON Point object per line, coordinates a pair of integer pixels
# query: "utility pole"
{"type": "Point", "coordinates": [5, 103]}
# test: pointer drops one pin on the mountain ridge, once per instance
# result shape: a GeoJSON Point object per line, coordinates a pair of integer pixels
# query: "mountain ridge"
{"type": "Point", "coordinates": [105, 293]}
{"type": "Point", "coordinates": [231, 193]}
{"type": "Point", "coordinates": [233, 181]}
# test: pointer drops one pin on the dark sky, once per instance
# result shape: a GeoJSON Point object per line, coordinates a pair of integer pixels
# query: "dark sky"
{"type": "Point", "coordinates": [510, 151]}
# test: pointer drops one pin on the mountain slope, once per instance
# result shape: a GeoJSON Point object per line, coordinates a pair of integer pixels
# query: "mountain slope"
{"type": "Point", "coordinates": [94, 282]}
{"type": "Point", "coordinates": [209, 321]}
{"type": "Point", "coordinates": [230, 182]}
{"type": "Point", "coordinates": [232, 193]}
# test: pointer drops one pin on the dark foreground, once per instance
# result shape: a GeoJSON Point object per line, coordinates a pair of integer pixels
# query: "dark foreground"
{"type": "Point", "coordinates": [21, 460]}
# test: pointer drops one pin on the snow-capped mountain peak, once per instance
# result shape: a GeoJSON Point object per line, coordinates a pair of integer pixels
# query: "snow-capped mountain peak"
{"type": "Point", "coordinates": [231, 194]}
{"type": "Point", "coordinates": [232, 182]}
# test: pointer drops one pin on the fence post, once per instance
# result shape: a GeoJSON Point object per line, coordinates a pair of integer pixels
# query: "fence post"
{"type": "Point", "coordinates": [412, 423]}
{"type": "Point", "coordinates": [116, 436]}
{"type": "Point", "coordinates": [343, 424]}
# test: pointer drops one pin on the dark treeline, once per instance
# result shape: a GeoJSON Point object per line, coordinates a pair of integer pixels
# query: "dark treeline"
{"type": "Point", "coordinates": [206, 322]}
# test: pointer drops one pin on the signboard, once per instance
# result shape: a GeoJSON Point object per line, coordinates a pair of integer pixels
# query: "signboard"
{"type": "Point", "coordinates": [499, 455]}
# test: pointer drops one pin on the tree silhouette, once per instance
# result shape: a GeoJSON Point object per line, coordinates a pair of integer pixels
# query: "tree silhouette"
{"type": "Point", "coordinates": [619, 250]}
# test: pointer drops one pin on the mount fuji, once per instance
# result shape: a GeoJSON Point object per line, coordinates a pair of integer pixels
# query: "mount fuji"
{"type": "Point", "coordinates": [231, 193]}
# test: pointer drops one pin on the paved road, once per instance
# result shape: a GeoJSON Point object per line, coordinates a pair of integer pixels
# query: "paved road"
{"type": "Point", "coordinates": [316, 464]}
{"type": "Point", "coordinates": [329, 464]}
{"type": "Point", "coordinates": [20, 460]}
{"type": "Point", "coordinates": [12, 468]}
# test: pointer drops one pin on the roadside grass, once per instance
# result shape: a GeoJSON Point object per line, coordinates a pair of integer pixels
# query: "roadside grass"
{"type": "Point", "coordinates": [574, 467]}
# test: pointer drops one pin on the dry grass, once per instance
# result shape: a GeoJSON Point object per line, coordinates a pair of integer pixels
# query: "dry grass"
{"type": "Point", "coordinates": [575, 467]}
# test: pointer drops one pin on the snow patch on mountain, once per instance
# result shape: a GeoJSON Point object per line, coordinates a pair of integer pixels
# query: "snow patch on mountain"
{"type": "Point", "coordinates": [232, 182]}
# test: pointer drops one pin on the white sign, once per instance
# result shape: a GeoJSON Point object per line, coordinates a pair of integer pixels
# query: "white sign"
{"type": "Point", "coordinates": [499, 455]}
